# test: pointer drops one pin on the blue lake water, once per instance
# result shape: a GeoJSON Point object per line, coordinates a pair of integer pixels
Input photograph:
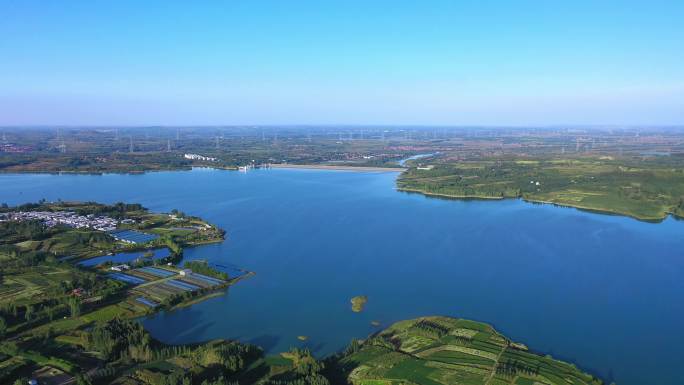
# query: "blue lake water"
{"type": "Point", "coordinates": [126, 257]}
{"type": "Point", "coordinates": [602, 291]}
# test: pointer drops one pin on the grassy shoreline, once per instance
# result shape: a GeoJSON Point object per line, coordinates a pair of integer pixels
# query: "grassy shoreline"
{"type": "Point", "coordinates": [596, 210]}
{"type": "Point", "coordinates": [646, 191]}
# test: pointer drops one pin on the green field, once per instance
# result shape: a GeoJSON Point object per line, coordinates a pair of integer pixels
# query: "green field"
{"type": "Point", "coordinates": [50, 306]}
{"type": "Point", "coordinates": [442, 350]}
{"type": "Point", "coordinates": [646, 190]}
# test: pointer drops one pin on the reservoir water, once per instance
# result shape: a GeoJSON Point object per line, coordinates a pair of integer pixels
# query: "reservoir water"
{"type": "Point", "coordinates": [602, 291]}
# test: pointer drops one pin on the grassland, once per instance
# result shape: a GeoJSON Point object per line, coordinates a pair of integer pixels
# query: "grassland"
{"type": "Point", "coordinates": [643, 190]}
{"type": "Point", "coordinates": [444, 351]}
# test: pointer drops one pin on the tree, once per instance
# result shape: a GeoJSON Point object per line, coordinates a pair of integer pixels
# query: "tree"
{"type": "Point", "coordinates": [28, 314]}
{"type": "Point", "coordinates": [82, 380]}
{"type": "Point", "coordinates": [50, 311]}
{"type": "Point", "coordinates": [74, 307]}
{"type": "Point", "coordinates": [3, 327]}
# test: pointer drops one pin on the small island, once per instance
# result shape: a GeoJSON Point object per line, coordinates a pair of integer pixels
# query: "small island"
{"type": "Point", "coordinates": [358, 303]}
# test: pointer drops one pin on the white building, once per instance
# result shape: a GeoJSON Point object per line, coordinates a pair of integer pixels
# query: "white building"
{"type": "Point", "coordinates": [120, 267]}
{"type": "Point", "coordinates": [199, 157]}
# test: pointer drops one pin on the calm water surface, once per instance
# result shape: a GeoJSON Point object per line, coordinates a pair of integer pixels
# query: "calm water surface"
{"type": "Point", "coordinates": [602, 291]}
{"type": "Point", "coordinates": [126, 257]}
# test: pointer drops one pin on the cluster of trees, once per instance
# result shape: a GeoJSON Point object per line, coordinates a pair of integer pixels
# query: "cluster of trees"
{"type": "Point", "coordinates": [430, 329]}
{"type": "Point", "coordinates": [121, 339]}
{"type": "Point", "coordinates": [23, 207]}
{"type": "Point", "coordinates": [203, 267]}
{"type": "Point", "coordinates": [231, 357]}
{"type": "Point", "coordinates": [307, 370]}
{"type": "Point", "coordinates": [34, 314]}
{"type": "Point", "coordinates": [119, 210]}
{"type": "Point", "coordinates": [86, 238]}
{"type": "Point", "coordinates": [510, 368]}
{"type": "Point", "coordinates": [18, 231]}
{"type": "Point", "coordinates": [25, 258]}
{"type": "Point", "coordinates": [126, 342]}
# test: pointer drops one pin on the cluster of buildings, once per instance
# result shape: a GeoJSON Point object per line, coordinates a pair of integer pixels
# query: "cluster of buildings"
{"type": "Point", "coordinates": [68, 218]}
{"type": "Point", "coordinates": [199, 157]}
{"type": "Point", "coordinates": [13, 148]}
{"type": "Point", "coordinates": [120, 268]}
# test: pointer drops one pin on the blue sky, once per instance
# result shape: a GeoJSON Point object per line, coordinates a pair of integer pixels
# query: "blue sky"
{"type": "Point", "coordinates": [333, 62]}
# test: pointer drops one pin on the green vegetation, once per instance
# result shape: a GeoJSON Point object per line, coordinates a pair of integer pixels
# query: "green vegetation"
{"type": "Point", "coordinates": [30, 239]}
{"type": "Point", "coordinates": [202, 267]}
{"type": "Point", "coordinates": [358, 303]}
{"type": "Point", "coordinates": [647, 190]}
{"type": "Point", "coordinates": [60, 320]}
{"type": "Point", "coordinates": [442, 350]}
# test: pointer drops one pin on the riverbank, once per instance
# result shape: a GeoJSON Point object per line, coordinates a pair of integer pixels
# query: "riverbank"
{"type": "Point", "coordinates": [645, 191]}
{"type": "Point", "coordinates": [338, 168]}
{"type": "Point", "coordinates": [596, 210]}
{"type": "Point", "coordinates": [449, 196]}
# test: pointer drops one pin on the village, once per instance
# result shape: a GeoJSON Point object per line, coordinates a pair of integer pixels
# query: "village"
{"type": "Point", "coordinates": [67, 218]}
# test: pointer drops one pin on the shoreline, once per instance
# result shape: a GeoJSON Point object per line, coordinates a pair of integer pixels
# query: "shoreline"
{"type": "Point", "coordinates": [542, 202]}
{"type": "Point", "coordinates": [337, 168]}
{"type": "Point", "coordinates": [223, 168]}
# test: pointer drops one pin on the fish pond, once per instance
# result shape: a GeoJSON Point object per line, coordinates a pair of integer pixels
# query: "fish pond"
{"type": "Point", "coordinates": [126, 257]}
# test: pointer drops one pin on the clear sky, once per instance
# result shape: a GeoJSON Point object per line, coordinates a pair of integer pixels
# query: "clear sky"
{"type": "Point", "coordinates": [482, 62]}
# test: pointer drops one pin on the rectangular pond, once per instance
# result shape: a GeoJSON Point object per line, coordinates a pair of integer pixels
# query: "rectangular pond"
{"type": "Point", "coordinates": [126, 257]}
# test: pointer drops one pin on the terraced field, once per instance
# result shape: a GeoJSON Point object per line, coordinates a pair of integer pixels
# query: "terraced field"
{"type": "Point", "coordinates": [442, 350]}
